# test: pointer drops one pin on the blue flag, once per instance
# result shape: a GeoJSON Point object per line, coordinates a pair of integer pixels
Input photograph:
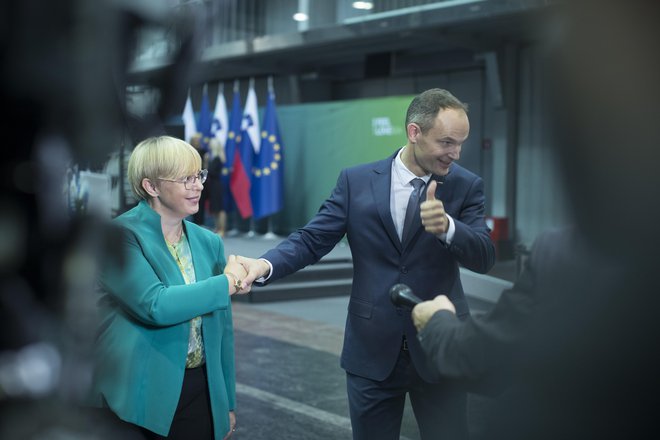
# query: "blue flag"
{"type": "Point", "coordinates": [233, 137]}
{"type": "Point", "coordinates": [267, 189]}
{"type": "Point", "coordinates": [204, 121]}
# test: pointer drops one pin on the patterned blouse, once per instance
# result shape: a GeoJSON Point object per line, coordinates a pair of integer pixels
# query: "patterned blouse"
{"type": "Point", "coordinates": [181, 253]}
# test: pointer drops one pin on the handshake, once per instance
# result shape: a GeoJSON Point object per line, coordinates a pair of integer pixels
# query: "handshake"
{"type": "Point", "coordinates": [243, 271]}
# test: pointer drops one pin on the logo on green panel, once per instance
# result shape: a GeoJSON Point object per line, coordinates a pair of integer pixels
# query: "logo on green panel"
{"type": "Point", "coordinates": [382, 126]}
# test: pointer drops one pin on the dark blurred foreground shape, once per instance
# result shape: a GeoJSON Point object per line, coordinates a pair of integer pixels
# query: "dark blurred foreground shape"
{"type": "Point", "coordinates": [589, 366]}
{"type": "Point", "coordinates": [62, 88]}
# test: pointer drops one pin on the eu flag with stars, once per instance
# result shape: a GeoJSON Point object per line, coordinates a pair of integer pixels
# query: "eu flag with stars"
{"type": "Point", "coordinates": [267, 189]}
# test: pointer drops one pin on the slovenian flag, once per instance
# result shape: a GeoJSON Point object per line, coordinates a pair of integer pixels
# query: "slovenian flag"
{"type": "Point", "coordinates": [244, 154]}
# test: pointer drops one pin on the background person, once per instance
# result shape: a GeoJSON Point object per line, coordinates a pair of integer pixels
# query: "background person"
{"type": "Point", "coordinates": [214, 187]}
{"type": "Point", "coordinates": [165, 346]}
{"type": "Point", "coordinates": [382, 358]}
{"type": "Point", "coordinates": [211, 201]}
{"type": "Point", "coordinates": [199, 217]}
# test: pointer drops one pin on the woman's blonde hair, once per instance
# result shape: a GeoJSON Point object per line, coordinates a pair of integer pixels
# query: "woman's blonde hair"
{"type": "Point", "coordinates": [163, 157]}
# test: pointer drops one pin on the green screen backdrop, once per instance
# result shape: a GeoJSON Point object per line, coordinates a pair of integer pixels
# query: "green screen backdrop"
{"type": "Point", "coordinates": [322, 138]}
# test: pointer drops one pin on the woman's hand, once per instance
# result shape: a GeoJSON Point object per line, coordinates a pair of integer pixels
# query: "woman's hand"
{"type": "Point", "coordinates": [236, 273]}
{"type": "Point", "coordinates": [232, 425]}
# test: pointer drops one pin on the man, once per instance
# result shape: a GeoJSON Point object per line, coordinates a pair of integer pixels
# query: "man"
{"type": "Point", "coordinates": [381, 356]}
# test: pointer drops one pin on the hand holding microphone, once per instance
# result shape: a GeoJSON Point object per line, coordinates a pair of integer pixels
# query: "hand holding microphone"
{"type": "Point", "coordinates": [402, 296]}
{"type": "Point", "coordinates": [422, 312]}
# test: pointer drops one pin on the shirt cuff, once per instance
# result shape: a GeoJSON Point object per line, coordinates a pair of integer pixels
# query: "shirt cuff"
{"type": "Point", "coordinates": [270, 272]}
{"type": "Point", "coordinates": [448, 236]}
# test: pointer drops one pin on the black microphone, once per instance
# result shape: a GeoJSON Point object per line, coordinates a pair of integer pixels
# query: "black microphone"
{"type": "Point", "coordinates": [402, 296]}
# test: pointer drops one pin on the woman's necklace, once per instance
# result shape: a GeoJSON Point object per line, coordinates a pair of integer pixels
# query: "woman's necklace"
{"type": "Point", "coordinates": [174, 250]}
{"type": "Point", "coordinates": [178, 237]}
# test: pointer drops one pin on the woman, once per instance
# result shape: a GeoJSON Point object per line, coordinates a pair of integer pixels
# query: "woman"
{"type": "Point", "coordinates": [165, 345]}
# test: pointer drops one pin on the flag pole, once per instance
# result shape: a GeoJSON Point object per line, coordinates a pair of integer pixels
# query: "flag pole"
{"type": "Point", "coordinates": [270, 235]}
{"type": "Point", "coordinates": [232, 218]}
{"type": "Point", "coordinates": [252, 232]}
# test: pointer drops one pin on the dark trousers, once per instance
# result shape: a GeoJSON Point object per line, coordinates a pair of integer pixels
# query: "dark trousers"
{"type": "Point", "coordinates": [376, 407]}
{"type": "Point", "coordinates": [192, 419]}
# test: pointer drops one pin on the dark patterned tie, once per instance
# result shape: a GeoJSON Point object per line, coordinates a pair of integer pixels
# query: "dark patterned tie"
{"type": "Point", "coordinates": [412, 209]}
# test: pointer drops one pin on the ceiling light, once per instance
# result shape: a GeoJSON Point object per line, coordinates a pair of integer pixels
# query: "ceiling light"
{"type": "Point", "coordinates": [363, 5]}
{"type": "Point", "coordinates": [300, 16]}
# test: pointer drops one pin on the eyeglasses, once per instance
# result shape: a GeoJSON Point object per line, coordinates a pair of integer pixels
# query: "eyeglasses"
{"type": "Point", "coordinates": [189, 181]}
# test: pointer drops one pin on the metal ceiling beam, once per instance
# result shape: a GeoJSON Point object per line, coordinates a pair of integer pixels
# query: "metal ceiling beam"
{"type": "Point", "coordinates": [451, 24]}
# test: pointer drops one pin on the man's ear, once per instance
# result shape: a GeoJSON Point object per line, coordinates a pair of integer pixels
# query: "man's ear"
{"type": "Point", "coordinates": [413, 130]}
{"type": "Point", "coordinates": [149, 186]}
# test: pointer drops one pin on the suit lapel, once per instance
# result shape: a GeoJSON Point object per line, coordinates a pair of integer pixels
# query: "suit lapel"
{"type": "Point", "coordinates": [380, 185]}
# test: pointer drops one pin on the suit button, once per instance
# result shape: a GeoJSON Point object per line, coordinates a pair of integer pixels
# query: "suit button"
{"type": "Point", "coordinates": [404, 269]}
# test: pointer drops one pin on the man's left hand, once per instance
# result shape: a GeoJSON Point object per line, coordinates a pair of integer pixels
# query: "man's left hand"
{"type": "Point", "coordinates": [432, 211]}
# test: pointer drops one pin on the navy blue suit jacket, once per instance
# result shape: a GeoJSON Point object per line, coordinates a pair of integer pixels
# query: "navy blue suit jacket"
{"type": "Point", "coordinates": [359, 207]}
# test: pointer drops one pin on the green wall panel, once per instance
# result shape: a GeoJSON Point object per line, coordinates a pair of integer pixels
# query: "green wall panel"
{"type": "Point", "coordinates": [322, 138]}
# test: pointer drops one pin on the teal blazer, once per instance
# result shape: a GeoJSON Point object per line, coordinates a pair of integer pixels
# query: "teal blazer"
{"type": "Point", "coordinates": [145, 312]}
